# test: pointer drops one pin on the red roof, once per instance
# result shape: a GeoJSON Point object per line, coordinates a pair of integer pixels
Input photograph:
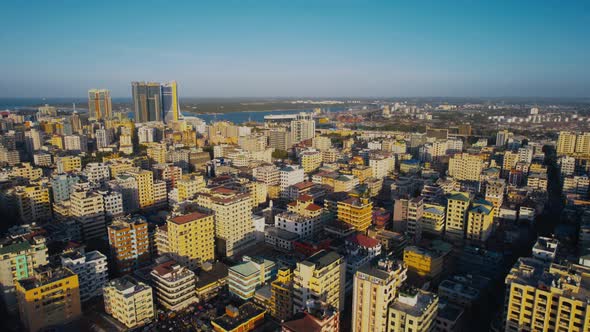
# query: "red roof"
{"type": "Point", "coordinates": [305, 198]}
{"type": "Point", "coordinates": [165, 268]}
{"type": "Point", "coordinates": [363, 240]}
{"type": "Point", "coordinates": [304, 185]}
{"type": "Point", "coordinates": [313, 207]}
{"type": "Point", "coordinates": [188, 218]}
{"type": "Point", "coordinates": [304, 324]}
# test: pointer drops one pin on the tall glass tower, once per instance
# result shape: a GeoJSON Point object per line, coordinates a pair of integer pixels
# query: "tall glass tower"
{"type": "Point", "coordinates": [147, 101]}
{"type": "Point", "coordinates": [170, 106]}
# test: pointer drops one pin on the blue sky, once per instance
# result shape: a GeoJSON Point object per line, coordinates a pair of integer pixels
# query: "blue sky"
{"type": "Point", "coordinates": [297, 48]}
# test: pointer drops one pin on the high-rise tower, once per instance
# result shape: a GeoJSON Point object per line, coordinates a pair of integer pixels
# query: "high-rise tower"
{"type": "Point", "coordinates": [99, 104]}
{"type": "Point", "coordinates": [170, 106]}
{"type": "Point", "coordinates": [147, 101]}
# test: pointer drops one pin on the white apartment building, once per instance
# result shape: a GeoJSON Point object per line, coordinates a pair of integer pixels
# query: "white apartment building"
{"type": "Point", "coordinates": [92, 271]}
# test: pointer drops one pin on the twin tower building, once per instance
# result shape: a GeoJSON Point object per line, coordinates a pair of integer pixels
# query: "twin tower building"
{"type": "Point", "coordinates": [152, 101]}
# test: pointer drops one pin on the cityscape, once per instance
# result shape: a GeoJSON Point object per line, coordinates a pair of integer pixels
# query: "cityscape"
{"type": "Point", "coordinates": [256, 202]}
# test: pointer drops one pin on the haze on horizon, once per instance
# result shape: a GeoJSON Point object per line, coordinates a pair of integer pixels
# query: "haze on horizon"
{"type": "Point", "coordinates": [298, 48]}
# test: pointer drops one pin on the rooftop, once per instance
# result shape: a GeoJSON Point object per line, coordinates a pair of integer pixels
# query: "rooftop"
{"type": "Point", "coordinates": [322, 259]}
{"type": "Point", "coordinates": [45, 275]}
{"type": "Point", "coordinates": [188, 218]}
{"type": "Point", "coordinates": [244, 313]}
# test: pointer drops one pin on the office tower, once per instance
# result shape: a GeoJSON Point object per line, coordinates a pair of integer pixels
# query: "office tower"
{"type": "Point", "coordinates": [104, 137]}
{"type": "Point", "coordinates": [567, 165]}
{"type": "Point", "coordinates": [129, 301]}
{"type": "Point", "coordinates": [357, 212]}
{"type": "Point", "coordinates": [254, 143]}
{"type": "Point", "coordinates": [426, 262]}
{"type": "Point", "coordinates": [174, 285]}
{"type": "Point", "coordinates": [322, 143]}
{"type": "Point", "coordinates": [170, 106]}
{"type": "Point", "coordinates": [191, 239]}
{"type": "Point", "coordinates": [375, 287]}
{"type": "Point", "coordinates": [415, 212]}
{"type": "Point", "coordinates": [92, 271]}
{"type": "Point", "coordinates": [502, 137]}
{"type": "Point", "coordinates": [480, 219]}
{"type": "Point", "coordinates": [129, 243]}
{"type": "Point", "coordinates": [268, 174]}
{"type": "Point", "coordinates": [466, 167]}
{"type": "Point", "coordinates": [76, 143]}
{"type": "Point", "coordinates": [320, 277]}
{"type": "Point", "coordinates": [566, 143]}
{"type": "Point", "coordinates": [50, 297]}
{"type": "Point", "coordinates": [302, 127]}
{"type": "Point", "coordinates": [282, 294]}
{"type": "Point", "coordinates": [234, 229]}
{"type": "Point", "coordinates": [414, 310]}
{"type": "Point", "coordinates": [20, 256]}
{"type": "Point", "coordinates": [99, 104]}
{"type": "Point", "coordinates": [147, 101]}
{"type": "Point", "coordinates": [33, 202]}
{"type": "Point", "coordinates": [76, 122]}
{"type": "Point", "coordinates": [311, 160]}
{"type": "Point", "coordinates": [546, 297]}
{"type": "Point", "coordinates": [146, 134]}
{"type": "Point", "coordinates": [457, 206]}
{"type": "Point", "coordinates": [33, 141]}
{"type": "Point", "coordinates": [279, 139]}
{"type": "Point", "coordinates": [68, 164]}
{"type": "Point", "coordinates": [87, 208]}
{"type": "Point", "coordinates": [113, 203]}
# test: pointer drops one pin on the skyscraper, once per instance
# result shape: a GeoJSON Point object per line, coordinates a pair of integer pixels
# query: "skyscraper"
{"type": "Point", "coordinates": [147, 101]}
{"type": "Point", "coordinates": [170, 106]}
{"type": "Point", "coordinates": [99, 104]}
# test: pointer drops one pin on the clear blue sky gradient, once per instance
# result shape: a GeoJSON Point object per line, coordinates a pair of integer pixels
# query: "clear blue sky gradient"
{"type": "Point", "coordinates": [297, 48]}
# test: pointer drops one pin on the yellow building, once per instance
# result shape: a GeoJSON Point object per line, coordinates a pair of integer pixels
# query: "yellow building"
{"type": "Point", "coordinates": [357, 212]}
{"type": "Point", "coordinates": [191, 239]}
{"type": "Point", "coordinates": [362, 173]}
{"type": "Point", "coordinates": [145, 186]}
{"type": "Point", "coordinates": [311, 160]}
{"type": "Point", "coordinates": [26, 171]}
{"type": "Point", "coordinates": [33, 202]}
{"type": "Point", "coordinates": [375, 287]}
{"type": "Point", "coordinates": [234, 229]}
{"type": "Point", "coordinates": [282, 295]}
{"type": "Point", "coordinates": [118, 166]}
{"type": "Point", "coordinates": [547, 297]}
{"type": "Point", "coordinates": [258, 192]}
{"type": "Point", "coordinates": [189, 185]}
{"type": "Point", "coordinates": [57, 141]}
{"type": "Point", "coordinates": [509, 161]}
{"type": "Point", "coordinates": [466, 167]}
{"type": "Point", "coordinates": [68, 164]}
{"type": "Point", "coordinates": [413, 311]}
{"type": "Point", "coordinates": [480, 219]}
{"type": "Point", "coordinates": [129, 301]}
{"type": "Point", "coordinates": [433, 219]}
{"type": "Point", "coordinates": [157, 153]}
{"type": "Point", "coordinates": [495, 194]}
{"type": "Point", "coordinates": [424, 262]}
{"type": "Point", "coordinates": [583, 144]}
{"type": "Point", "coordinates": [50, 297]}
{"type": "Point", "coordinates": [320, 277]}
{"type": "Point", "coordinates": [457, 206]}
{"type": "Point", "coordinates": [20, 256]}
{"type": "Point", "coordinates": [566, 143]}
